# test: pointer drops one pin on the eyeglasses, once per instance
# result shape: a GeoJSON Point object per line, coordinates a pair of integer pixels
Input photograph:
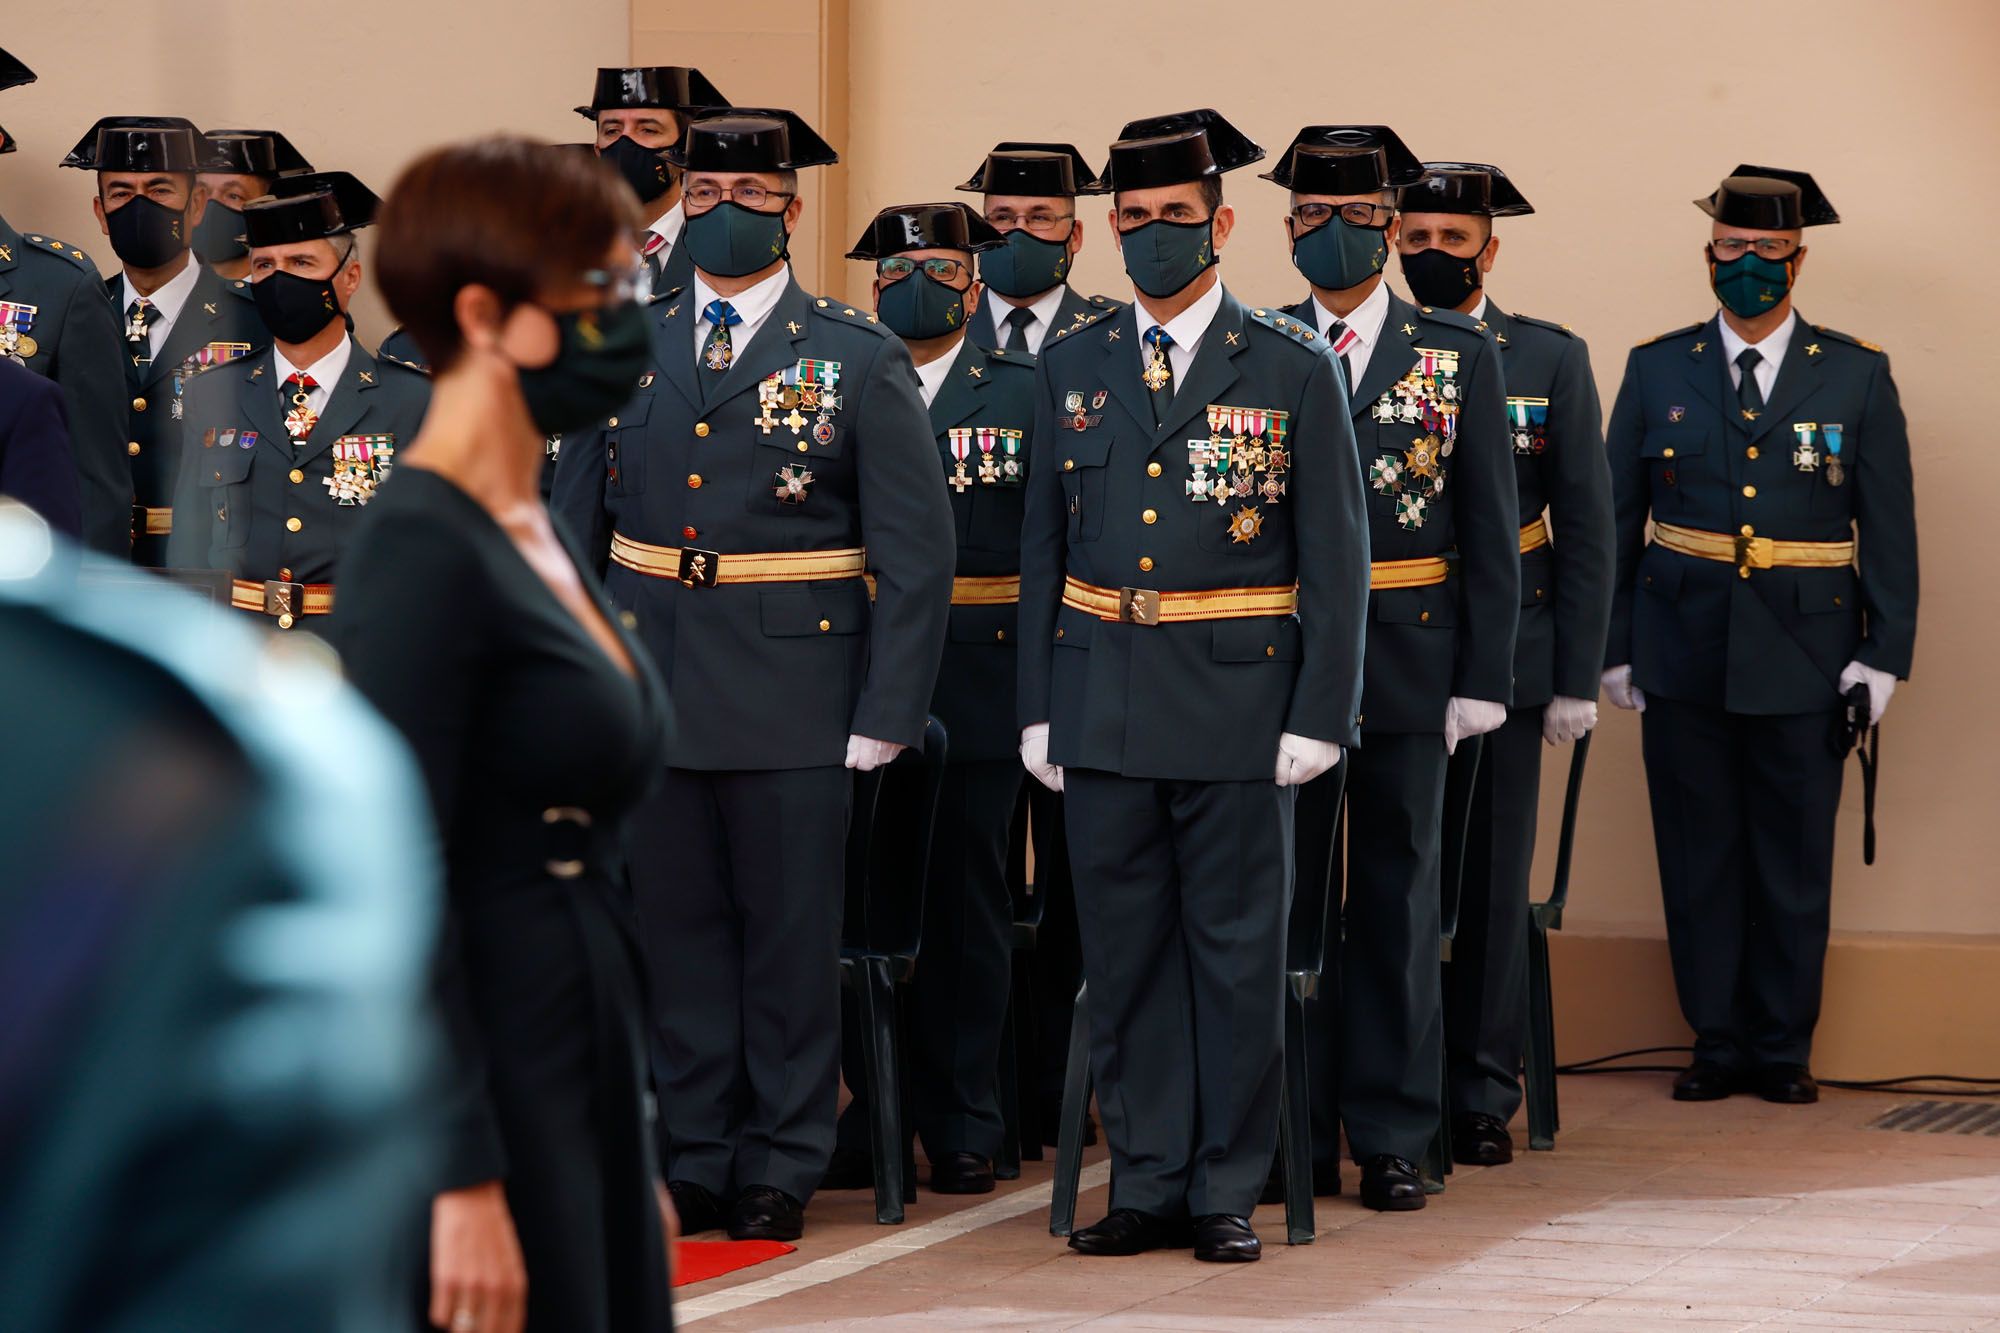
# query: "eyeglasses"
{"type": "Point", "coordinates": [897, 267]}
{"type": "Point", "coordinates": [1038, 220]}
{"type": "Point", "coordinates": [1356, 214]}
{"type": "Point", "coordinates": [704, 197]}
{"type": "Point", "coordinates": [621, 284]}
{"type": "Point", "coordinates": [1767, 247]}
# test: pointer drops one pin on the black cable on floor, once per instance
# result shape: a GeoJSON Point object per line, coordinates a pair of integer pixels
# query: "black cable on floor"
{"type": "Point", "coordinates": [1981, 1087]}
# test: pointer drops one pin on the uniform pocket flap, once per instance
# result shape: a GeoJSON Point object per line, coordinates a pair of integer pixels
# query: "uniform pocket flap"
{"type": "Point", "coordinates": [225, 466]}
{"type": "Point", "coordinates": [1682, 442]}
{"type": "Point", "coordinates": [1074, 627]}
{"type": "Point", "coordinates": [633, 413]}
{"type": "Point", "coordinates": [796, 612]}
{"type": "Point", "coordinates": [982, 624]}
{"type": "Point", "coordinates": [1661, 574]}
{"type": "Point", "coordinates": [1435, 607]}
{"type": "Point", "coordinates": [1824, 596]}
{"type": "Point", "coordinates": [1088, 448]}
{"type": "Point", "coordinates": [1274, 639]}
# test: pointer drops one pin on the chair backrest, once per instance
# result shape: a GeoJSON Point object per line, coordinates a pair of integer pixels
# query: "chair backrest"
{"type": "Point", "coordinates": [889, 849]}
{"type": "Point", "coordinates": [1315, 898]}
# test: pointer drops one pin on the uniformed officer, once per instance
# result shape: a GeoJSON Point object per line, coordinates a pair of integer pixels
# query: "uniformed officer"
{"type": "Point", "coordinates": [241, 166]}
{"type": "Point", "coordinates": [286, 447]}
{"type": "Point", "coordinates": [35, 467]}
{"type": "Point", "coordinates": [1447, 246]}
{"type": "Point", "coordinates": [778, 452]}
{"type": "Point", "coordinates": [981, 406]}
{"type": "Point", "coordinates": [639, 113]}
{"type": "Point", "coordinates": [54, 321]}
{"type": "Point", "coordinates": [1763, 449]}
{"type": "Point", "coordinates": [1430, 421]}
{"type": "Point", "coordinates": [177, 316]}
{"type": "Point", "coordinates": [1193, 572]}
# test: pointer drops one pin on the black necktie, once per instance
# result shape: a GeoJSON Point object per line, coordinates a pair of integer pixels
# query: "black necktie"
{"type": "Point", "coordinates": [1334, 333]}
{"type": "Point", "coordinates": [1019, 320]}
{"type": "Point", "coordinates": [1748, 395]}
{"type": "Point", "coordinates": [1159, 373]}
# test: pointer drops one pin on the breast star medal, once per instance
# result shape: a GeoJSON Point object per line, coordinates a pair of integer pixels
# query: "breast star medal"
{"type": "Point", "coordinates": [794, 483]}
{"type": "Point", "coordinates": [1245, 525]}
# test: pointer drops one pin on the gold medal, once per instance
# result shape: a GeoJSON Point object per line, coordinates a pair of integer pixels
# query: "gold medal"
{"type": "Point", "coordinates": [25, 347]}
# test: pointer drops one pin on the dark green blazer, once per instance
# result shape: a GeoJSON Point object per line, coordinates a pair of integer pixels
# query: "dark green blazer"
{"type": "Point", "coordinates": [1076, 308]}
{"type": "Point", "coordinates": [1426, 645]}
{"type": "Point", "coordinates": [1109, 504]}
{"type": "Point", "coordinates": [1681, 453]}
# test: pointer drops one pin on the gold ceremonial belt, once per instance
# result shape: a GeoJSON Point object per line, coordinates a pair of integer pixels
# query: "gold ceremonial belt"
{"type": "Point", "coordinates": [1534, 536]}
{"type": "Point", "coordinates": [704, 569]}
{"type": "Point", "coordinates": [1747, 552]}
{"type": "Point", "coordinates": [1147, 606]}
{"type": "Point", "coordinates": [152, 522]}
{"type": "Point", "coordinates": [1423, 572]}
{"type": "Point", "coordinates": [984, 590]}
{"type": "Point", "coordinates": [283, 602]}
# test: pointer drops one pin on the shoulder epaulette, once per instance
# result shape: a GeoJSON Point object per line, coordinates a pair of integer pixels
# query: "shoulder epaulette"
{"type": "Point", "coordinates": [1451, 318]}
{"type": "Point", "coordinates": [1850, 338]}
{"type": "Point", "coordinates": [239, 288]}
{"type": "Point", "coordinates": [1082, 322]}
{"type": "Point", "coordinates": [50, 245]}
{"type": "Point", "coordinates": [1012, 360]}
{"type": "Point", "coordinates": [391, 359]}
{"type": "Point", "coordinates": [849, 315]}
{"type": "Point", "coordinates": [1104, 303]}
{"type": "Point", "coordinates": [1672, 333]}
{"type": "Point", "coordinates": [1564, 329]}
{"type": "Point", "coordinates": [1302, 334]}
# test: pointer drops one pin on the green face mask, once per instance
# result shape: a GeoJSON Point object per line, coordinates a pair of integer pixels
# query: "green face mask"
{"type": "Point", "coordinates": [1026, 265]}
{"type": "Point", "coordinates": [919, 307]}
{"type": "Point", "coordinates": [731, 241]}
{"type": "Point", "coordinates": [1163, 257]}
{"type": "Point", "coordinates": [1751, 285]}
{"type": "Point", "coordinates": [1340, 255]}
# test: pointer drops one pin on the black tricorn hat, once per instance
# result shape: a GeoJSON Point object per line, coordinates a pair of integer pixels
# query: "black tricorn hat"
{"type": "Point", "coordinates": [924, 227]}
{"type": "Point", "coordinates": [1174, 149]}
{"type": "Point", "coordinates": [1464, 187]}
{"type": "Point", "coordinates": [12, 75]}
{"type": "Point", "coordinates": [750, 138]}
{"type": "Point", "coordinates": [1345, 159]}
{"type": "Point", "coordinates": [674, 87]}
{"type": "Point", "coordinates": [265, 153]}
{"type": "Point", "coordinates": [1034, 169]}
{"type": "Point", "coordinates": [139, 143]}
{"type": "Point", "coordinates": [311, 206]}
{"type": "Point", "coordinates": [1768, 199]}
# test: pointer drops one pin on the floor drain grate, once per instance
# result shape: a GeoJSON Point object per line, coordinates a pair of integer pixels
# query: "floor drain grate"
{"type": "Point", "coordinates": [1942, 1118]}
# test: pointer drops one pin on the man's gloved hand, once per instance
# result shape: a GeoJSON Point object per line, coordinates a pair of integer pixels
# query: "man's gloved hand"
{"type": "Point", "coordinates": [1566, 719]}
{"type": "Point", "coordinates": [865, 754]}
{"type": "Point", "coordinates": [1466, 718]}
{"type": "Point", "coordinates": [1881, 684]}
{"type": "Point", "coordinates": [1301, 759]}
{"type": "Point", "coordinates": [1618, 687]}
{"type": "Point", "coordinates": [1035, 756]}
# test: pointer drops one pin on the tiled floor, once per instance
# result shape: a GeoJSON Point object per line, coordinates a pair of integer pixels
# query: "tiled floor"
{"type": "Point", "coordinates": [1649, 1214]}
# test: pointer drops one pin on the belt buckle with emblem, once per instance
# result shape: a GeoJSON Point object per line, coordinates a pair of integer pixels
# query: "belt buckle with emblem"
{"type": "Point", "coordinates": [284, 601]}
{"type": "Point", "coordinates": [1139, 606]}
{"type": "Point", "coordinates": [698, 567]}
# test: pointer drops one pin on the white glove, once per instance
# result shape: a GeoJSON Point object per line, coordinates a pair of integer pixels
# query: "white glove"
{"type": "Point", "coordinates": [1035, 756]}
{"type": "Point", "coordinates": [865, 754]}
{"type": "Point", "coordinates": [1567, 719]}
{"type": "Point", "coordinates": [1466, 718]}
{"type": "Point", "coordinates": [1301, 759]}
{"type": "Point", "coordinates": [1624, 694]}
{"type": "Point", "coordinates": [1880, 686]}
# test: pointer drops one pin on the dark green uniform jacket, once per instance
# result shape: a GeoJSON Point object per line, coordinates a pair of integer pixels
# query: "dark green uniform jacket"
{"type": "Point", "coordinates": [775, 675]}
{"type": "Point", "coordinates": [1681, 453]}
{"type": "Point", "coordinates": [1199, 700]}
{"type": "Point", "coordinates": [1557, 431]}
{"type": "Point", "coordinates": [1076, 308]}
{"type": "Point", "coordinates": [243, 483]}
{"type": "Point", "coordinates": [60, 328]}
{"type": "Point", "coordinates": [1429, 644]}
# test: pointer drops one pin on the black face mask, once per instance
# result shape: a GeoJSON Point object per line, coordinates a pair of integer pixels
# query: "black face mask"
{"type": "Point", "coordinates": [294, 309]}
{"type": "Point", "coordinates": [602, 355]}
{"type": "Point", "coordinates": [145, 234]}
{"type": "Point", "coordinates": [1440, 279]}
{"type": "Point", "coordinates": [216, 239]}
{"type": "Point", "coordinates": [642, 168]}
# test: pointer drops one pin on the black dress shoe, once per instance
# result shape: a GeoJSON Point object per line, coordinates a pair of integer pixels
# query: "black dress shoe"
{"type": "Point", "coordinates": [962, 1173]}
{"type": "Point", "coordinates": [849, 1170]}
{"type": "Point", "coordinates": [1479, 1139]}
{"type": "Point", "coordinates": [1129, 1231]}
{"type": "Point", "coordinates": [1791, 1085]}
{"type": "Point", "coordinates": [1391, 1184]}
{"type": "Point", "coordinates": [1703, 1081]}
{"type": "Point", "coordinates": [696, 1205]}
{"type": "Point", "coordinates": [1222, 1239]}
{"type": "Point", "coordinates": [1052, 1124]}
{"type": "Point", "coordinates": [763, 1213]}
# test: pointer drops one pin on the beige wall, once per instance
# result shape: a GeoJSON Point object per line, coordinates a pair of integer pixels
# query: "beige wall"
{"type": "Point", "coordinates": [361, 86]}
{"type": "Point", "coordinates": [1611, 118]}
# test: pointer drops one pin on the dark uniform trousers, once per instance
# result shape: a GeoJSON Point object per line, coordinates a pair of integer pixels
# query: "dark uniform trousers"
{"type": "Point", "coordinates": [1559, 465]}
{"type": "Point", "coordinates": [1739, 664]}
{"type": "Point", "coordinates": [1377, 1062]}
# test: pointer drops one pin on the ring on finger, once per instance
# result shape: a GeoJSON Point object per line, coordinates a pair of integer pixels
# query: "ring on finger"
{"type": "Point", "coordinates": [463, 1320]}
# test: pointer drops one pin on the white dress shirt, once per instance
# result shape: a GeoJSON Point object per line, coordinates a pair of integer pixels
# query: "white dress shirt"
{"type": "Point", "coordinates": [1364, 322]}
{"type": "Point", "coordinates": [1479, 311]}
{"type": "Point", "coordinates": [668, 226]}
{"type": "Point", "coordinates": [1186, 329]}
{"type": "Point", "coordinates": [1044, 311]}
{"type": "Point", "coordinates": [167, 303]}
{"type": "Point", "coordinates": [1772, 349]}
{"type": "Point", "coordinates": [325, 372]}
{"type": "Point", "coordinates": [753, 306]}
{"type": "Point", "coordinates": [932, 374]}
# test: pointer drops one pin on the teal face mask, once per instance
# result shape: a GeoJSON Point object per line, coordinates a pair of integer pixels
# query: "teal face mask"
{"type": "Point", "coordinates": [1752, 285]}
{"type": "Point", "coordinates": [732, 241]}
{"type": "Point", "coordinates": [1026, 265]}
{"type": "Point", "coordinates": [1340, 255]}
{"type": "Point", "coordinates": [920, 307]}
{"type": "Point", "coordinates": [1163, 257]}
